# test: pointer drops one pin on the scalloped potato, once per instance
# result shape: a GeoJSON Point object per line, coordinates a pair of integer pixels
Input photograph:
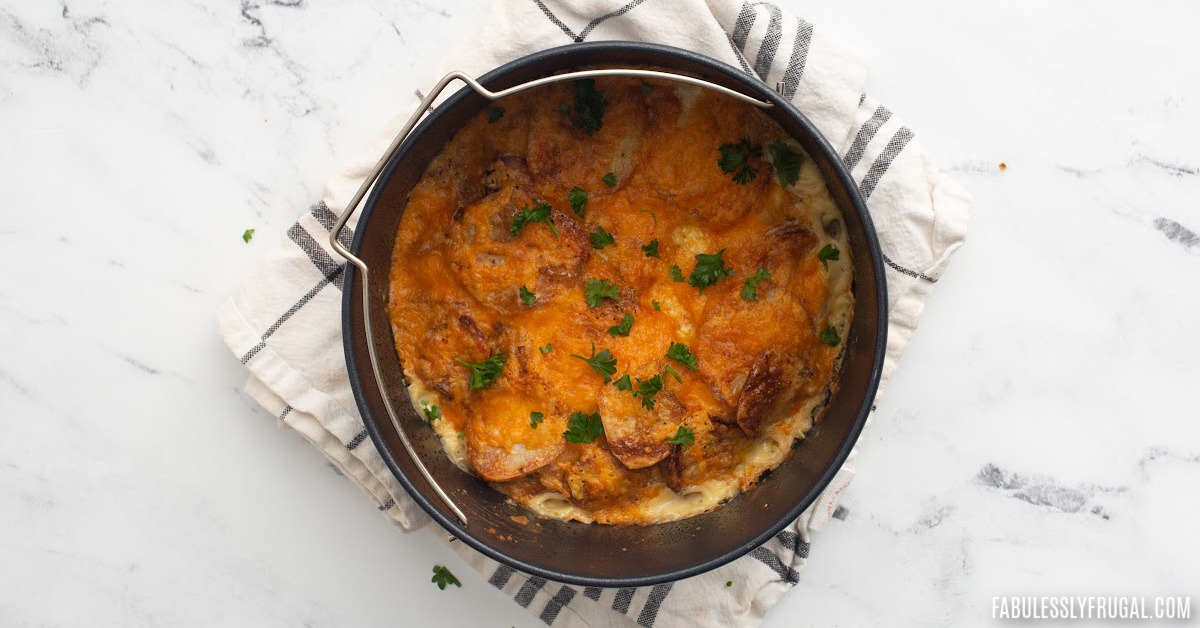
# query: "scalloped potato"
{"type": "Point", "coordinates": [628, 298]}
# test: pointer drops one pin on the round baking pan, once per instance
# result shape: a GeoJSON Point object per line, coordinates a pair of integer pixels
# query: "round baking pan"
{"type": "Point", "coordinates": [571, 552]}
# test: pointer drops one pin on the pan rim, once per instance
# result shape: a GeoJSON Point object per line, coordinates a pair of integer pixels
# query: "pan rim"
{"type": "Point", "coordinates": [556, 59]}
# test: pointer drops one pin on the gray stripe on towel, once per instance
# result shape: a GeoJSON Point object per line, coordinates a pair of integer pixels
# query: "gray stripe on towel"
{"type": "Point", "coordinates": [530, 588]}
{"type": "Point", "coordinates": [650, 611]}
{"type": "Point", "coordinates": [865, 134]}
{"type": "Point", "coordinates": [770, 43]}
{"type": "Point", "coordinates": [883, 161]}
{"type": "Point", "coordinates": [556, 603]}
{"type": "Point", "coordinates": [795, 67]}
{"type": "Point", "coordinates": [741, 29]}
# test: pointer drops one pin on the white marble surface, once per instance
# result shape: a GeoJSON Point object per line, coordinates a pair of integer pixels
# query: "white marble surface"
{"type": "Point", "coordinates": [1041, 436]}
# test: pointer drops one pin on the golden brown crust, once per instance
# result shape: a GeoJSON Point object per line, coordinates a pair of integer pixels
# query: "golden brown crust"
{"type": "Point", "coordinates": [458, 270]}
{"type": "Point", "coordinates": [637, 436]}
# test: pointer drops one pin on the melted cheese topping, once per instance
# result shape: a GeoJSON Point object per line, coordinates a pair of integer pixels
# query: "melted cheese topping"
{"type": "Point", "coordinates": [762, 375]}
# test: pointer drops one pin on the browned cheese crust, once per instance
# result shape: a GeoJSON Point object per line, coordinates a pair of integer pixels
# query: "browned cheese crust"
{"type": "Point", "coordinates": [458, 270]}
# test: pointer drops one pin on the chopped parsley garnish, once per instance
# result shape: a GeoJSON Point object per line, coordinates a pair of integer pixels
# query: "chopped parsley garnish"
{"type": "Point", "coordinates": [684, 438]}
{"type": "Point", "coordinates": [647, 389]}
{"type": "Point", "coordinates": [670, 371]}
{"type": "Point", "coordinates": [729, 583]}
{"type": "Point", "coordinates": [709, 270]}
{"type": "Point", "coordinates": [588, 112]}
{"type": "Point", "coordinates": [787, 162]}
{"type": "Point", "coordinates": [603, 363]}
{"type": "Point", "coordinates": [676, 274]}
{"type": "Point", "coordinates": [546, 349]}
{"type": "Point", "coordinates": [247, 235]}
{"type": "Point", "coordinates": [443, 577]}
{"type": "Point", "coordinates": [652, 216]}
{"type": "Point", "coordinates": [622, 328]}
{"type": "Point", "coordinates": [595, 291]}
{"type": "Point", "coordinates": [495, 113]}
{"type": "Point", "coordinates": [485, 372]}
{"type": "Point", "coordinates": [623, 383]}
{"type": "Point", "coordinates": [654, 304]}
{"type": "Point", "coordinates": [535, 418]}
{"type": "Point", "coordinates": [432, 412]}
{"type": "Point", "coordinates": [830, 337]}
{"type": "Point", "coordinates": [651, 250]}
{"type": "Point", "coordinates": [584, 428]}
{"type": "Point", "coordinates": [602, 238]}
{"type": "Point", "coordinates": [527, 297]}
{"type": "Point", "coordinates": [750, 289]}
{"type": "Point", "coordinates": [681, 354]}
{"type": "Point", "coordinates": [735, 160]}
{"type": "Point", "coordinates": [646, 88]}
{"type": "Point", "coordinates": [578, 200]}
{"type": "Point", "coordinates": [525, 216]}
{"type": "Point", "coordinates": [829, 252]}
{"type": "Point", "coordinates": [462, 436]}
{"type": "Point", "coordinates": [610, 180]}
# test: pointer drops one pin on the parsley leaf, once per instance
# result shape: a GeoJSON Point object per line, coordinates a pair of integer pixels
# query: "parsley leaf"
{"type": "Point", "coordinates": [247, 235]}
{"type": "Point", "coordinates": [622, 328]}
{"type": "Point", "coordinates": [655, 305]}
{"type": "Point", "coordinates": [647, 389]}
{"type": "Point", "coordinates": [462, 436]}
{"type": "Point", "coordinates": [651, 250]}
{"type": "Point", "coordinates": [670, 371]}
{"type": "Point", "coordinates": [610, 180]}
{"type": "Point", "coordinates": [787, 162]}
{"type": "Point", "coordinates": [830, 337]}
{"type": "Point", "coordinates": [527, 297]}
{"type": "Point", "coordinates": [829, 252]}
{"type": "Point", "coordinates": [539, 213]}
{"type": "Point", "coordinates": [546, 349]}
{"type": "Point", "coordinates": [603, 363]}
{"type": "Point", "coordinates": [589, 107]}
{"type": "Point", "coordinates": [485, 372]}
{"type": "Point", "coordinates": [602, 238]}
{"type": "Point", "coordinates": [750, 289]}
{"type": "Point", "coordinates": [443, 577]}
{"type": "Point", "coordinates": [596, 290]}
{"type": "Point", "coordinates": [494, 114]}
{"type": "Point", "coordinates": [432, 412]}
{"type": "Point", "coordinates": [583, 428]}
{"type": "Point", "coordinates": [729, 583]}
{"type": "Point", "coordinates": [735, 159]}
{"type": "Point", "coordinates": [682, 354]}
{"type": "Point", "coordinates": [535, 418]}
{"type": "Point", "coordinates": [624, 383]}
{"type": "Point", "coordinates": [709, 270]}
{"type": "Point", "coordinates": [676, 274]}
{"type": "Point", "coordinates": [684, 438]}
{"type": "Point", "coordinates": [578, 199]}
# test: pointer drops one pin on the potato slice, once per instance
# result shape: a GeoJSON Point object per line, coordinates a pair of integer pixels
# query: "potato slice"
{"type": "Point", "coordinates": [501, 443]}
{"type": "Point", "coordinates": [637, 436]}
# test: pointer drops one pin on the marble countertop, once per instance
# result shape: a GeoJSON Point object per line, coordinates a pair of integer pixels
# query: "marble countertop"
{"type": "Point", "coordinates": [1040, 437]}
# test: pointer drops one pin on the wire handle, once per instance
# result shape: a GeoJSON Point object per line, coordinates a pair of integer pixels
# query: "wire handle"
{"type": "Point", "coordinates": [373, 176]}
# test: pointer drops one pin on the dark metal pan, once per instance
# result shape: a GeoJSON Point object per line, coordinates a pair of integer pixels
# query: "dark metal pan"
{"type": "Point", "coordinates": [574, 553]}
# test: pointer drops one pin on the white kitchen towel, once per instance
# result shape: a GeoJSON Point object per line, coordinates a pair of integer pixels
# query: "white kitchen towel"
{"type": "Point", "coordinates": [284, 322]}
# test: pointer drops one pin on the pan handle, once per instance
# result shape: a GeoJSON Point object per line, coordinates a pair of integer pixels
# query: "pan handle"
{"type": "Point", "coordinates": [423, 108]}
{"type": "Point", "coordinates": [490, 95]}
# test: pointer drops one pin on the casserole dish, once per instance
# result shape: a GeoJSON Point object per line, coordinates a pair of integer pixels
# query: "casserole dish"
{"type": "Point", "coordinates": [469, 509]}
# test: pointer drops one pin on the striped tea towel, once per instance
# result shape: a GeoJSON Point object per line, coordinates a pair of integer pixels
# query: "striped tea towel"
{"type": "Point", "coordinates": [283, 323]}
